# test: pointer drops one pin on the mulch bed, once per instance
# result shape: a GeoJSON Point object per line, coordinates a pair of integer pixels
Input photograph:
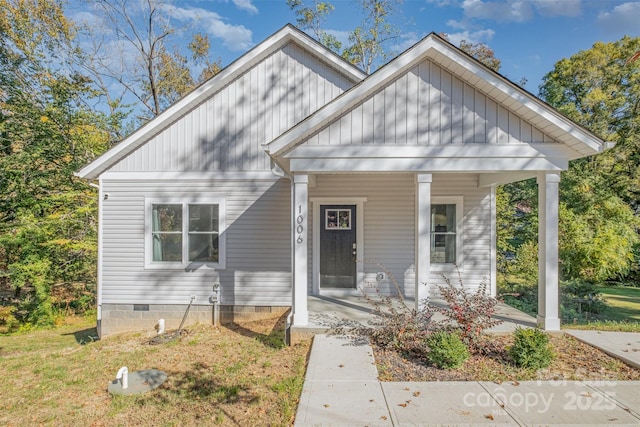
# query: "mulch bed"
{"type": "Point", "coordinates": [573, 361]}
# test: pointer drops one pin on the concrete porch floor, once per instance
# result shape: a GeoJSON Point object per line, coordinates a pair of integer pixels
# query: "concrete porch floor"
{"type": "Point", "coordinates": [329, 313]}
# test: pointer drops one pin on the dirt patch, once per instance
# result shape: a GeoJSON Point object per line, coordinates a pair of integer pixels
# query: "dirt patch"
{"type": "Point", "coordinates": [573, 361]}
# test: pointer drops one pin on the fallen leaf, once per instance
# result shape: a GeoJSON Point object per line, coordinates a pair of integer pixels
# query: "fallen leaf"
{"type": "Point", "coordinates": [406, 389]}
{"type": "Point", "coordinates": [404, 405]}
{"type": "Point", "coordinates": [489, 417]}
{"type": "Point", "coordinates": [341, 366]}
{"type": "Point", "coordinates": [515, 383]}
{"type": "Point", "coordinates": [325, 405]}
{"type": "Point", "coordinates": [384, 417]}
{"type": "Point", "coordinates": [416, 393]}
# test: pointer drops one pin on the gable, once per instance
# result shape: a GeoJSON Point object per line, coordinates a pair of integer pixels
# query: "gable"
{"type": "Point", "coordinates": [222, 123]}
{"type": "Point", "coordinates": [227, 130]}
{"type": "Point", "coordinates": [428, 105]}
{"type": "Point", "coordinates": [434, 94]}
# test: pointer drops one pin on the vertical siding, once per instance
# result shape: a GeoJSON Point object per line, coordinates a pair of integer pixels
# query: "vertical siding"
{"type": "Point", "coordinates": [258, 248]}
{"type": "Point", "coordinates": [227, 131]}
{"type": "Point", "coordinates": [429, 106]}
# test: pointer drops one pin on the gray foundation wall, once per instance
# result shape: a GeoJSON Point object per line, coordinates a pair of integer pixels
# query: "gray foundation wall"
{"type": "Point", "coordinates": [117, 318]}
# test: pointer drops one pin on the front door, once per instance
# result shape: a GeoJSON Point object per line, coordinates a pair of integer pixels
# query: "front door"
{"type": "Point", "coordinates": [338, 252]}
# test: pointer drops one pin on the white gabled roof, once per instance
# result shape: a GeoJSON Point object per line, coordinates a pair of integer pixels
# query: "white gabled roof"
{"type": "Point", "coordinates": [276, 41]}
{"type": "Point", "coordinates": [444, 54]}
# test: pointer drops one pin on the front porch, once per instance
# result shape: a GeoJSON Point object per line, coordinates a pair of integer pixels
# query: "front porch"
{"type": "Point", "coordinates": [331, 313]}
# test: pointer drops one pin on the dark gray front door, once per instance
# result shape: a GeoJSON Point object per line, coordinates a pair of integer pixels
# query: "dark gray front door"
{"type": "Point", "coordinates": [338, 247]}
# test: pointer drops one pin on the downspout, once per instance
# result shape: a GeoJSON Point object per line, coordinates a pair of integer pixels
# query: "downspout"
{"type": "Point", "coordinates": [101, 197]}
{"type": "Point", "coordinates": [277, 170]}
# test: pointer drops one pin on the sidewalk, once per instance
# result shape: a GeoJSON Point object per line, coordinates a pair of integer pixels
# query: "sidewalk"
{"type": "Point", "coordinates": [341, 389]}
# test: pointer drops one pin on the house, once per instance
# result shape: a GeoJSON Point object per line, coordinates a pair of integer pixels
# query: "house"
{"type": "Point", "coordinates": [280, 176]}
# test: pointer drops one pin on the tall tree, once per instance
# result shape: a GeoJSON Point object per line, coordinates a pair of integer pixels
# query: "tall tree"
{"type": "Point", "coordinates": [142, 56]}
{"type": "Point", "coordinates": [369, 42]}
{"type": "Point", "coordinates": [600, 89]}
{"type": "Point", "coordinates": [47, 219]}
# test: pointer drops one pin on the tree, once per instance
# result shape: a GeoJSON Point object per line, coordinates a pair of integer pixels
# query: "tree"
{"type": "Point", "coordinates": [368, 43]}
{"type": "Point", "coordinates": [143, 58]}
{"type": "Point", "coordinates": [599, 89]}
{"type": "Point", "coordinates": [47, 218]}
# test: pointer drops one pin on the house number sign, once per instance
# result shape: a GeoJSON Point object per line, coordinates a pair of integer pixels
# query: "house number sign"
{"type": "Point", "coordinates": [300, 227]}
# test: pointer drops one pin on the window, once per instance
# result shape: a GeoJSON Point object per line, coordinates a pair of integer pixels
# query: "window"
{"type": "Point", "coordinates": [183, 233]}
{"type": "Point", "coordinates": [338, 219]}
{"type": "Point", "coordinates": [446, 231]}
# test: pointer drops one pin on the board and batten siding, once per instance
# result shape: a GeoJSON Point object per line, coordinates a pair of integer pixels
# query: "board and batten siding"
{"type": "Point", "coordinates": [258, 244]}
{"type": "Point", "coordinates": [389, 225]}
{"type": "Point", "coordinates": [227, 131]}
{"type": "Point", "coordinates": [428, 106]}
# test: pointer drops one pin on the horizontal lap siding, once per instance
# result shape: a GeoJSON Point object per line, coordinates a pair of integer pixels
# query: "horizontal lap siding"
{"type": "Point", "coordinates": [388, 221]}
{"type": "Point", "coordinates": [389, 224]}
{"type": "Point", "coordinates": [476, 223]}
{"type": "Point", "coordinates": [429, 106]}
{"type": "Point", "coordinates": [258, 249]}
{"type": "Point", "coordinates": [227, 131]}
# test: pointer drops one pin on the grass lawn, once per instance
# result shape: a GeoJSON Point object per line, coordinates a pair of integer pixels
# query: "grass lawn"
{"type": "Point", "coordinates": [622, 312]}
{"type": "Point", "coordinates": [237, 375]}
{"type": "Point", "coordinates": [623, 302]}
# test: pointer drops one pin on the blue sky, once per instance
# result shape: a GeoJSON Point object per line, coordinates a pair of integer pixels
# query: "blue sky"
{"type": "Point", "coordinates": [528, 36]}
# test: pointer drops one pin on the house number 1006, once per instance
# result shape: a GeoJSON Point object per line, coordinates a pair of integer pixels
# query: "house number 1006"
{"type": "Point", "coordinates": [299, 228]}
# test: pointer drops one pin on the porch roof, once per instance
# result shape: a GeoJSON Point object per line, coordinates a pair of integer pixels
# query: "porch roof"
{"type": "Point", "coordinates": [573, 141]}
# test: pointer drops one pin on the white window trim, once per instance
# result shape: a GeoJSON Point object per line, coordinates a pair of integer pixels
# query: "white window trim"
{"type": "Point", "coordinates": [185, 202]}
{"type": "Point", "coordinates": [459, 202]}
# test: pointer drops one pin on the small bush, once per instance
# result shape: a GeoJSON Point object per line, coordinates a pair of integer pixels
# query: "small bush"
{"type": "Point", "coordinates": [531, 349]}
{"type": "Point", "coordinates": [400, 327]}
{"type": "Point", "coordinates": [470, 312]}
{"type": "Point", "coordinates": [446, 350]}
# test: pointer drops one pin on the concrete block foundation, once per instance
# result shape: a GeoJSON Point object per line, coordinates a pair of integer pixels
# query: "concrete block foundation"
{"type": "Point", "coordinates": [117, 318]}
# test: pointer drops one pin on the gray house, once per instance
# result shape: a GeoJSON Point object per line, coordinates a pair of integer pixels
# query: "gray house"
{"type": "Point", "coordinates": [277, 178]}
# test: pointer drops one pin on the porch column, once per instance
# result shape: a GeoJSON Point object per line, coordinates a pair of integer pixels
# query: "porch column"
{"type": "Point", "coordinates": [548, 295]}
{"type": "Point", "coordinates": [299, 234]}
{"type": "Point", "coordinates": [423, 238]}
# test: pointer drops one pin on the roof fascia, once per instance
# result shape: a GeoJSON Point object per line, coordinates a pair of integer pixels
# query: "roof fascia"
{"type": "Point", "coordinates": [274, 42]}
{"type": "Point", "coordinates": [435, 48]}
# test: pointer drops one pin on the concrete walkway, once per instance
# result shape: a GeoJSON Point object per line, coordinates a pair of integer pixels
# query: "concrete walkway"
{"type": "Point", "coordinates": [341, 389]}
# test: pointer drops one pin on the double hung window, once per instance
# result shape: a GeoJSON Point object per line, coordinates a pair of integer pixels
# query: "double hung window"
{"type": "Point", "coordinates": [183, 233]}
{"type": "Point", "coordinates": [446, 231]}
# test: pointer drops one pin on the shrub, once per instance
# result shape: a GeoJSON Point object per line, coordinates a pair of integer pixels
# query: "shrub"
{"type": "Point", "coordinates": [531, 349]}
{"type": "Point", "coordinates": [470, 312]}
{"type": "Point", "coordinates": [446, 350]}
{"type": "Point", "coordinates": [399, 327]}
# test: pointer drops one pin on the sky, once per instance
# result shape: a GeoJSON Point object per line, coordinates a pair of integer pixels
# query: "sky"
{"type": "Point", "coordinates": [528, 36]}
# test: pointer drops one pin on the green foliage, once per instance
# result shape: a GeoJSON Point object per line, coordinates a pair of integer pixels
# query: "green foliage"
{"type": "Point", "coordinates": [368, 43]}
{"type": "Point", "coordinates": [47, 218]}
{"type": "Point", "coordinates": [469, 313]}
{"type": "Point", "coordinates": [531, 349]}
{"type": "Point", "coordinates": [446, 350]}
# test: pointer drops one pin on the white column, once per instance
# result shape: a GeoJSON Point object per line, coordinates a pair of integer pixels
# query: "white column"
{"type": "Point", "coordinates": [548, 295]}
{"type": "Point", "coordinates": [299, 233]}
{"type": "Point", "coordinates": [423, 237]}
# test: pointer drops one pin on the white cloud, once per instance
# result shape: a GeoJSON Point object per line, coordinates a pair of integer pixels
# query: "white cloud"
{"type": "Point", "coordinates": [624, 18]}
{"type": "Point", "coordinates": [519, 10]}
{"type": "Point", "coordinates": [245, 5]}
{"type": "Point", "coordinates": [234, 37]}
{"type": "Point", "coordinates": [558, 8]}
{"type": "Point", "coordinates": [480, 36]}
